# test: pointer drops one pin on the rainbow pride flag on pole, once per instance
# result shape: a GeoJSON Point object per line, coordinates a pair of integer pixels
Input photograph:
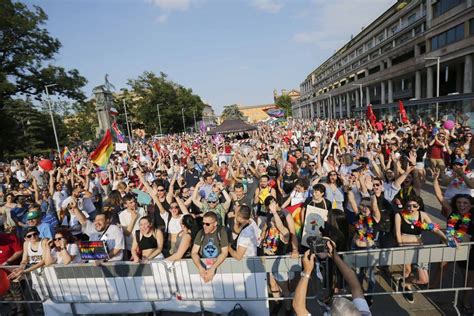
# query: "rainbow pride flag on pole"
{"type": "Point", "coordinates": [101, 155]}
{"type": "Point", "coordinates": [66, 154]}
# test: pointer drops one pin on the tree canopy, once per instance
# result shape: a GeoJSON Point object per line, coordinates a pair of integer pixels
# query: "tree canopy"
{"type": "Point", "coordinates": [26, 52]}
{"type": "Point", "coordinates": [174, 100]}
{"type": "Point", "coordinates": [284, 102]}
{"type": "Point", "coordinates": [232, 112]}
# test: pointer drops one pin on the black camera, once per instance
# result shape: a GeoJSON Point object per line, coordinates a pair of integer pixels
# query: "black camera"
{"type": "Point", "coordinates": [317, 244]}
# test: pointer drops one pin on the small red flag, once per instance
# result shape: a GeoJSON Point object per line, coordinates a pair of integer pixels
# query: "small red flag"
{"type": "Point", "coordinates": [371, 115]}
{"type": "Point", "coordinates": [403, 113]}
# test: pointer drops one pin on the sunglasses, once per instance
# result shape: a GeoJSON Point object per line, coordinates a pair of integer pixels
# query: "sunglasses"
{"type": "Point", "coordinates": [208, 224]}
{"type": "Point", "coordinates": [212, 201]}
{"type": "Point", "coordinates": [161, 190]}
{"type": "Point", "coordinates": [59, 238]}
{"type": "Point", "coordinates": [31, 235]}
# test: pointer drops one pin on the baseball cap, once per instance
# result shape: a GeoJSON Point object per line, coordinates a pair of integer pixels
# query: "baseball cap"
{"type": "Point", "coordinates": [32, 215]}
{"type": "Point", "coordinates": [212, 197]}
{"type": "Point", "coordinates": [30, 229]}
{"type": "Point", "coordinates": [459, 161]}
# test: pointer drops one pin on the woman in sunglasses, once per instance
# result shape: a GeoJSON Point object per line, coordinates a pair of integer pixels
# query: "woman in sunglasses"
{"type": "Point", "coordinates": [409, 224]}
{"type": "Point", "coordinates": [33, 253]}
{"type": "Point", "coordinates": [62, 249]}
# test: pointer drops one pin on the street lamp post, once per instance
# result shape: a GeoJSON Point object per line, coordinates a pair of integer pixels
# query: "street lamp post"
{"type": "Point", "coordinates": [437, 80]}
{"type": "Point", "coordinates": [126, 121]}
{"type": "Point", "coordinates": [159, 116]}
{"type": "Point", "coordinates": [51, 113]}
{"type": "Point", "coordinates": [330, 105]}
{"type": "Point", "coordinates": [184, 124]}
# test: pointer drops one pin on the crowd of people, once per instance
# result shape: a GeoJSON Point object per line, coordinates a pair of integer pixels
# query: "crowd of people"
{"type": "Point", "coordinates": [212, 197]}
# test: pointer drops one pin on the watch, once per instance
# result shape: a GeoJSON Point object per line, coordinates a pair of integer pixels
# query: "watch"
{"type": "Point", "coordinates": [304, 274]}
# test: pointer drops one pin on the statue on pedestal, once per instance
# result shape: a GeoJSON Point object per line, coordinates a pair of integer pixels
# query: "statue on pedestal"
{"type": "Point", "coordinates": [103, 102]}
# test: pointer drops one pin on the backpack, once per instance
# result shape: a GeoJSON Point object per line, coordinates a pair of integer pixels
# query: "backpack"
{"type": "Point", "coordinates": [238, 310]}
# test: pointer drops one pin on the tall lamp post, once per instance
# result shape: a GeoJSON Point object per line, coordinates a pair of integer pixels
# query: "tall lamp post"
{"type": "Point", "coordinates": [437, 80]}
{"type": "Point", "coordinates": [159, 116]}
{"type": "Point", "coordinates": [51, 113]}
{"type": "Point", "coordinates": [184, 124]}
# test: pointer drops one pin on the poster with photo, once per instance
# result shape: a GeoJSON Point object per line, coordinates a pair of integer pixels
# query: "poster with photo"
{"type": "Point", "coordinates": [314, 219]}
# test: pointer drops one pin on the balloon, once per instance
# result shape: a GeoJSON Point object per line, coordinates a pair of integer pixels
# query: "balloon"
{"type": "Point", "coordinates": [46, 164]}
{"type": "Point", "coordinates": [448, 124]}
{"type": "Point", "coordinates": [4, 282]}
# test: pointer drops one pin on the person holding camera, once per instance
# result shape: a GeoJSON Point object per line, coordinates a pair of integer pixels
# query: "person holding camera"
{"type": "Point", "coordinates": [340, 306]}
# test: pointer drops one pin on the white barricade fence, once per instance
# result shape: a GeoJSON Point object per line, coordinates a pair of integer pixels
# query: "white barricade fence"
{"type": "Point", "coordinates": [124, 287]}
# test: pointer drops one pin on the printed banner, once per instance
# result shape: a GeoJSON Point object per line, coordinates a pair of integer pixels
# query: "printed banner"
{"type": "Point", "coordinates": [314, 219]}
{"type": "Point", "coordinates": [93, 250]}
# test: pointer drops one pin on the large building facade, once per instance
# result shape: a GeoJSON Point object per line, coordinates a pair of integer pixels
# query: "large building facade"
{"type": "Point", "coordinates": [396, 58]}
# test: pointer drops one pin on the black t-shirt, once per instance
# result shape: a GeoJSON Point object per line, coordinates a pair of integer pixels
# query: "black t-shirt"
{"type": "Point", "coordinates": [272, 171]}
{"type": "Point", "coordinates": [289, 182]}
{"type": "Point", "coordinates": [191, 177]}
{"type": "Point", "coordinates": [386, 214]}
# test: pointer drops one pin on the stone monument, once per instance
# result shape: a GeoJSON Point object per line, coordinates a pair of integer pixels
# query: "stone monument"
{"type": "Point", "coordinates": [103, 102]}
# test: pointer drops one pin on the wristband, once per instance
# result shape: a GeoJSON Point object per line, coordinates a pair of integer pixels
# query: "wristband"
{"type": "Point", "coordinates": [306, 275]}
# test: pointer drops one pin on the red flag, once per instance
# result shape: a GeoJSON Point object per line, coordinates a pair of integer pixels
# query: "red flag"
{"type": "Point", "coordinates": [371, 115]}
{"type": "Point", "coordinates": [403, 113]}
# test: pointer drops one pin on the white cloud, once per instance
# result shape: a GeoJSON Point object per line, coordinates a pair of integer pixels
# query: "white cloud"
{"type": "Point", "coordinates": [172, 5]}
{"type": "Point", "coordinates": [162, 18]}
{"type": "Point", "coordinates": [270, 6]}
{"type": "Point", "coordinates": [333, 22]}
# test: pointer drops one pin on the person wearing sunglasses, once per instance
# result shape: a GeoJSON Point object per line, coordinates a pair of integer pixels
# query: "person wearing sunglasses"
{"type": "Point", "coordinates": [211, 245]}
{"type": "Point", "coordinates": [33, 253]}
{"type": "Point", "coordinates": [409, 224]}
{"type": "Point", "coordinates": [62, 249]}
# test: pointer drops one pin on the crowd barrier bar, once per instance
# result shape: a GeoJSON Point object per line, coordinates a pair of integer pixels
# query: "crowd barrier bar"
{"type": "Point", "coordinates": [430, 257]}
{"type": "Point", "coordinates": [24, 292]}
{"type": "Point", "coordinates": [244, 280]}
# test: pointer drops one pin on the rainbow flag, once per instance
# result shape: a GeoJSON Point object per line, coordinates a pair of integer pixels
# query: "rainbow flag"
{"type": "Point", "coordinates": [101, 155]}
{"type": "Point", "coordinates": [66, 154]}
{"type": "Point", "coordinates": [295, 212]}
{"type": "Point", "coordinates": [119, 134]}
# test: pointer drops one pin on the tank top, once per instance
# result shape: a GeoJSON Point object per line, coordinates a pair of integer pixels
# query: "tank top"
{"type": "Point", "coordinates": [410, 229]}
{"type": "Point", "coordinates": [144, 242]}
{"type": "Point", "coordinates": [35, 256]}
{"type": "Point", "coordinates": [179, 238]}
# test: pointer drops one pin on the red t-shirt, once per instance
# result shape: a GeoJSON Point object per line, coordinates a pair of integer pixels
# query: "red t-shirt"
{"type": "Point", "coordinates": [9, 244]}
{"type": "Point", "coordinates": [436, 150]}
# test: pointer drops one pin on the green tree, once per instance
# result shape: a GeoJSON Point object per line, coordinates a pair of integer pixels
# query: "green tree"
{"type": "Point", "coordinates": [174, 100]}
{"type": "Point", "coordinates": [81, 125]}
{"type": "Point", "coordinates": [25, 49]}
{"type": "Point", "coordinates": [232, 112]}
{"type": "Point", "coordinates": [284, 102]}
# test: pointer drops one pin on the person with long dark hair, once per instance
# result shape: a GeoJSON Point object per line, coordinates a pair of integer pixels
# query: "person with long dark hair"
{"type": "Point", "coordinates": [62, 249]}
{"type": "Point", "coordinates": [184, 240]}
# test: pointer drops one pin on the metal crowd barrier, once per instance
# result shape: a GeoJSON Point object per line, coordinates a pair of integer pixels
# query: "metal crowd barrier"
{"type": "Point", "coordinates": [24, 294]}
{"type": "Point", "coordinates": [162, 285]}
{"type": "Point", "coordinates": [390, 263]}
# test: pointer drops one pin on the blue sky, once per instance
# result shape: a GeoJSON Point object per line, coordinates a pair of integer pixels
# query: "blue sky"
{"type": "Point", "coordinates": [227, 51]}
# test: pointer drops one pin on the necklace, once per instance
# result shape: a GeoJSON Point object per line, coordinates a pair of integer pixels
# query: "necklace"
{"type": "Point", "coordinates": [365, 231]}
{"type": "Point", "coordinates": [420, 224]}
{"type": "Point", "coordinates": [457, 234]}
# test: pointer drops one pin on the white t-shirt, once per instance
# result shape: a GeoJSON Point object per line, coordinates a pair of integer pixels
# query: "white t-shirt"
{"type": "Point", "coordinates": [174, 225]}
{"type": "Point", "coordinates": [58, 198]}
{"type": "Point", "coordinates": [72, 249]}
{"type": "Point", "coordinates": [84, 204]}
{"type": "Point", "coordinates": [458, 185]}
{"type": "Point", "coordinates": [390, 190]}
{"type": "Point", "coordinates": [125, 218]}
{"type": "Point", "coordinates": [248, 239]}
{"type": "Point", "coordinates": [113, 238]}
{"type": "Point", "coordinates": [73, 223]}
